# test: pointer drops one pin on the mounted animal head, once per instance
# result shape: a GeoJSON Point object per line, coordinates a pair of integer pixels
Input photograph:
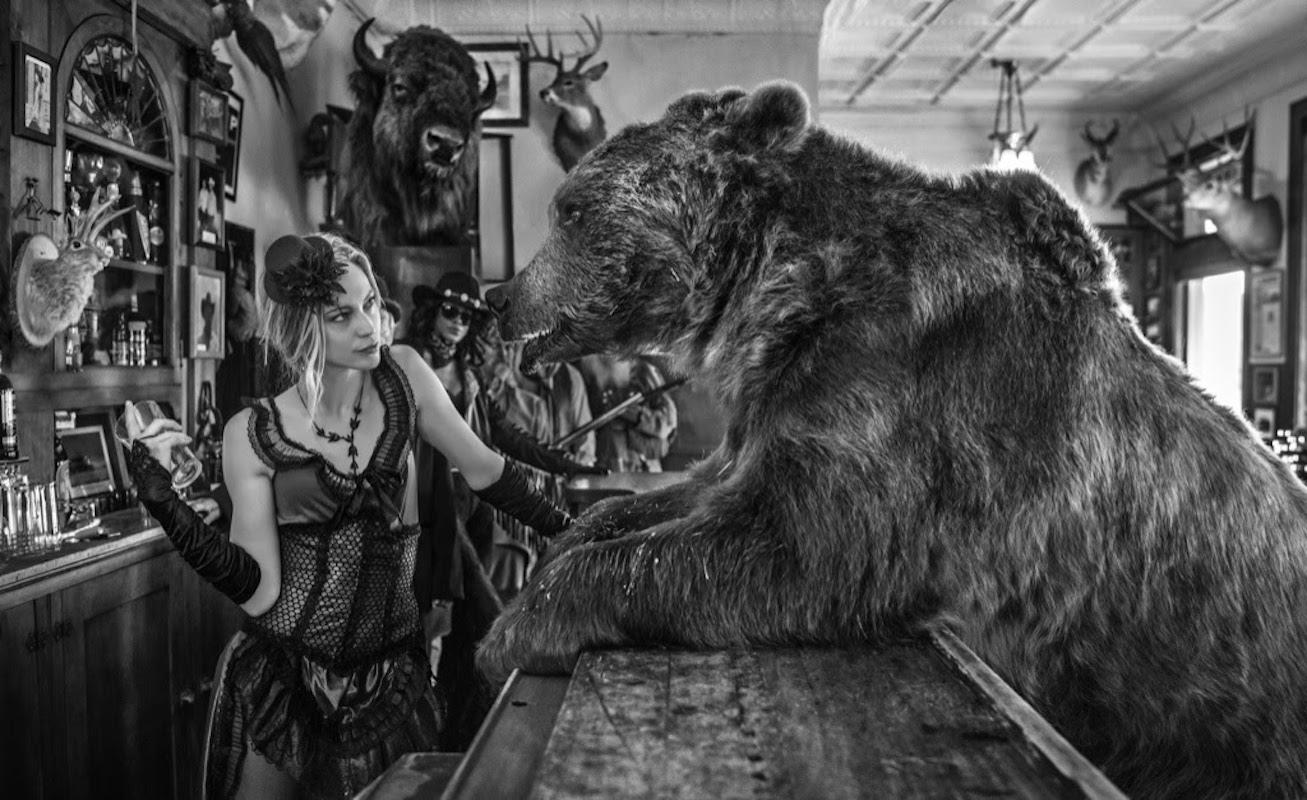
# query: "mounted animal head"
{"type": "Point", "coordinates": [1093, 179]}
{"type": "Point", "coordinates": [1252, 229]}
{"type": "Point", "coordinates": [52, 283]}
{"type": "Point", "coordinates": [580, 124]}
{"type": "Point", "coordinates": [413, 139]}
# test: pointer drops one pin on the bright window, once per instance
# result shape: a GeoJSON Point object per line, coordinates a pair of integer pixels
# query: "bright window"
{"type": "Point", "coordinates": [1214, 334]}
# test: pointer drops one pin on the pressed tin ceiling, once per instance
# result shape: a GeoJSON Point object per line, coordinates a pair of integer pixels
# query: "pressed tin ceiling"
{"type": "Point", "coordinates": [878, 54]}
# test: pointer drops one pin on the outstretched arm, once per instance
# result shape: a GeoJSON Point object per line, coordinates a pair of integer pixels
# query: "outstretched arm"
{"type": "Point", "coordinates": [495, 480]}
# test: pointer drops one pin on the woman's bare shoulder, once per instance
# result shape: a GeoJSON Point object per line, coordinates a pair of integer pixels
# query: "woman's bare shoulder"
{"type": "Point", "coordinates": [236, 444]}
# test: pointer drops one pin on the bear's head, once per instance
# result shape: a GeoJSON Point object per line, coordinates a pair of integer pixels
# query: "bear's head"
{"type": "Point", "coordinates": [628, 227]}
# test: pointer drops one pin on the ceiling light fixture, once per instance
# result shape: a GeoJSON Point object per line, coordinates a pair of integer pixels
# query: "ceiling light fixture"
{"type": "Point", "coordinates": [1011, 143]}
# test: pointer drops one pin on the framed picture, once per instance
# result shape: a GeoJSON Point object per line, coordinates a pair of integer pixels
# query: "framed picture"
{"type": "Point", "coordinates": [1160, 205]}
{"type": "Point", "coordinates": [207, 326]}
{"type": "Point", "coordinates": [1266, 316]}
{"type": "Point", "coordinates": [507, 60]}
{"type": "Point", "coordinates": [90, 465]}
{"type": "Point", "coordinates": [208, 113]}
{"type": "Point", "coordinates": [1264, 421]}
{"type": "Point", "coordinates": [229, 152]}
{"type": "Point", "coordinates": [1266, 385]}
{"type": "Point", "coordinates": [34, 78]}
{"type": "Point", "coordinates": [238, 264]}
{"type": "Point", "coordinates": [206, 202]}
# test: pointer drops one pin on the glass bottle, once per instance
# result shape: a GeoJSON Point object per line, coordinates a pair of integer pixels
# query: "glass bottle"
{"type": "Point", "coordinates": [137, 336]}
{"type": "Point", "coordinates": [118, 352]}
{"type": "Point", "coordinates": [8, 420]}
{"type": "Point", "coordinates": [154, 217]}
{"type": "Point", "coordinates": [73, 347]}
{"type": "Point", "coordinates": [63, 484]}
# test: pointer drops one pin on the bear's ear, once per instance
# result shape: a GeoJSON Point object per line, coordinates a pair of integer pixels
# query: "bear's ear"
{"type": "Point", "coordinates": [775, 115]}
{"type": "Point", "coordinates": [698, 107]}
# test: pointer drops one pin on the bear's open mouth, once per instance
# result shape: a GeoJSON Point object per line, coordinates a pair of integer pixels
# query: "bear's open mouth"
{"type": "Point", "coordinates": [550, 344]}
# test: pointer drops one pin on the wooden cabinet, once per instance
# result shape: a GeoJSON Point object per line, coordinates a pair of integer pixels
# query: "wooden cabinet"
{"type": "Point", "coordinates": [1142, 256]}
{"type": "Point", "coordinates": [105, 682]}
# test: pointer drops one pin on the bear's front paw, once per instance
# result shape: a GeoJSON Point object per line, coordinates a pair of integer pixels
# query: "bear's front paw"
{"type": "Point", "coordinates": [521, 639]}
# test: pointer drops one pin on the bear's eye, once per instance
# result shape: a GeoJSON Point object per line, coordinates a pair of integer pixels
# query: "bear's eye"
{"type": "Point", "coordinates": [399, 91]}
{"type": "Point", "coordinates": [569, 215]}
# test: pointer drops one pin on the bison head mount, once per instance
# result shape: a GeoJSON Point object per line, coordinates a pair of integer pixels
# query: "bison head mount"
{"type": "Point", "coordinates": [414, 139]}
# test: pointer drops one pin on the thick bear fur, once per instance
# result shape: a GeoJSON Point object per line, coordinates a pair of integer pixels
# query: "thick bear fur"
{"type": "Point", "coordinates": [940, 412]}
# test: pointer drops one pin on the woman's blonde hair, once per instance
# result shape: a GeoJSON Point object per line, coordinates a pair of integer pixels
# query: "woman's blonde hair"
{"type": "Point", "coordinates": [297, 332]}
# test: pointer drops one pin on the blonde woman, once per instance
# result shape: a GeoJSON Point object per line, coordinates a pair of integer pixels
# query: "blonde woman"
{"type": "Point", "coordinates": [329, 681]}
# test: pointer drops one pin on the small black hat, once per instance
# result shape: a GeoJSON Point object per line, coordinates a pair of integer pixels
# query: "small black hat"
{"type": "Point", "coordinates": [456, 287]}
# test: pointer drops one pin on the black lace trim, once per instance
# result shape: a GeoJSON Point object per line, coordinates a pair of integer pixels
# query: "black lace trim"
{"type": "Point", "coordinates": [268, 436]}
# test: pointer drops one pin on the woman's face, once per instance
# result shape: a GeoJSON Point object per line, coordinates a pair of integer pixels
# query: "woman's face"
{"type": "Point", "coordinates": [452, 321]}
{"type": "Point", "coordinates": [353, 325]}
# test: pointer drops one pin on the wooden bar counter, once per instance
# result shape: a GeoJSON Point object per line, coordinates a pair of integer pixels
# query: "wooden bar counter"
{"type": "Point", "coordinates": [908, 719]}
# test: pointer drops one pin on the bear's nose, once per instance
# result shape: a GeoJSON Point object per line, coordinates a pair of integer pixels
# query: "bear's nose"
{"type": "Point", "coordinates": [497, 299]}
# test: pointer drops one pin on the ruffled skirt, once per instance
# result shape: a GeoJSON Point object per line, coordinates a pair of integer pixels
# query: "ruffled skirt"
{"type": "Point", "coordinates": [332, 733]}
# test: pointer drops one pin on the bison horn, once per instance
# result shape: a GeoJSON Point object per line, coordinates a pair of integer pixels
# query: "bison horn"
{"type": "Point", "coordinates": [487, 98]}
{"type": "Point", "coordinates": [363, 54]}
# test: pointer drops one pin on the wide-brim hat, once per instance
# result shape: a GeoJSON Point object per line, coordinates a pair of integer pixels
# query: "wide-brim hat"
{"type": "Point", "coordinates": [453, 287]}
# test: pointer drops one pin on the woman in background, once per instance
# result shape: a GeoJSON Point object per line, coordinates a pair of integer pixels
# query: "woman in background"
{"type": "Point", "coordinates": [328, 682]}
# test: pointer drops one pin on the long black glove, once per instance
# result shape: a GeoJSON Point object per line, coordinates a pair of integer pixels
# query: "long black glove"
{"type": "Point", "coordinates": [514, 496]}
{"type": "Point", "coordinates": [522, 446]}
{"type": "Point", "coordinates": [233, 571]}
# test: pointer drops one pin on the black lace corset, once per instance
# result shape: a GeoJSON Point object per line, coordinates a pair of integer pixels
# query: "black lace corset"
{"type": "Point", "coordinates": [347, 557]}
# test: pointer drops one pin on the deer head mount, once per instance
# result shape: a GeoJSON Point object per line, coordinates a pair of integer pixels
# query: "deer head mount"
{"type": "Point", "coordinates": [52, 284]}
{"type": "Point", "coordinates": [1093, 180]}
{"type": "Point", "coordinates": [580, 125]}
{"type": "Point", "coordinates": [1253, 229]}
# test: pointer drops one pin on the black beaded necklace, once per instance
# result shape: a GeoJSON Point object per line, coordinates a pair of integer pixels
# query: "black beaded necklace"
{"type": "Point", "coordinates": [332, 436]}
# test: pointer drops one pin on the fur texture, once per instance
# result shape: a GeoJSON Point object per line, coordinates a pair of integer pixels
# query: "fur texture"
{"type": "Point", "coordinates": [398, 194]}
{"type": "Point", "coordinates": [940, 412]}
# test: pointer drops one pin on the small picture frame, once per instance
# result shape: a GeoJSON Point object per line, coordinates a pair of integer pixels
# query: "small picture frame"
{"type": "Point", "coordinates": [90, 465]}
{"type": "Point", "coordinates": [207, 326]}
{"type": "Point", "coordinates": [208, 112]}
{"type": "Point", "coordinates": [34, 93]}
{"type": "Point", "coordinates": [206, 202]}
{"type": "Point", "coordinates": [507, 60]}
{"type": "Point", "coordinates": [229, 152]}
{"type": "Point", "coordinates": [1264, 421]}
{"type": "Point", "coordinates": [1266, 385]}
{"type": "Point", "coordinates": [1266, 316]}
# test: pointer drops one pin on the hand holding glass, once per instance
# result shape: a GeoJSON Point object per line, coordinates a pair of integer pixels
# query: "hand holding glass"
{"type": "Point", "coordinates": [147, 422]}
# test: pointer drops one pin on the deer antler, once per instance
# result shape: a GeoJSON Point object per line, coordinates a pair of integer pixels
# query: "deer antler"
{"type": "Point", "coordinates": [1185, 163]}
{"type": "Point", "coordinates": [597, 31]}
{"type": "Point", "coordinates": [537, 56]}
{"type": "Point", "coordinates": [1229, 149]}
{"type": "Point", "coordinates": [89, 224]}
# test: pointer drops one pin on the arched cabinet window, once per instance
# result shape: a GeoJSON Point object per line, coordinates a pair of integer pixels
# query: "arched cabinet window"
{"type": "Point", "coordinates": [119, 156]}
{"type": "Point", "coordinates": [114, 94]}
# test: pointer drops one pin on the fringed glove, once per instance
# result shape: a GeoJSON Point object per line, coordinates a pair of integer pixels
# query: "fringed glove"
{"type": "Point", "coordinates": [513, 495]}
{"type": "Point", "coordinates": [522, 446]}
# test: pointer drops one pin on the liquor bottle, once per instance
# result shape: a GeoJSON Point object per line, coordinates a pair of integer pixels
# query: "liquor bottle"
{"type": "Point", "coordinates": [8, 422]}
{"type": "Point", "coordinates": [73, 347]}
{"type": "Point", "coordinates": [154, 217]}
{"type": "Point", "coordinates": [118, 351]}
{"type": "Point", "coordinates": [137, 337]}
{"type": "Point", "coordinates": [153, 345]}
{"type": "Point", "coordinates": [138, 226]}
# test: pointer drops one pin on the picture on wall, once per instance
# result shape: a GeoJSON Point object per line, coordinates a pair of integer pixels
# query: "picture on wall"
{"type": "Point", "coordinates": [207, 328]}
{"type": "Point", "coordinates": [208, 113]}
{"type": "Point", "coordinates": [1266, 317]}
{"type": "Point", "coordinates": [207, 203]}
{"type": "Point", "coordinates": [507, 60]}
{"type": "Point", "coordinates": [238, 265]}
{"type": "Point", "coordinates": [229, 152]}
{"type": "Point", "coordinates": [34, 77]}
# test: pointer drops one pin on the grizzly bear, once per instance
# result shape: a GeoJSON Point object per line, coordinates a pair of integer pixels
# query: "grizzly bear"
{"type": "Point", "coordinates": [940, 411]}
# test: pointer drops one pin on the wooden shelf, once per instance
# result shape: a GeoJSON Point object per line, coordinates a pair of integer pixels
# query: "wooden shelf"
{"type": "Point", "coordinates": [117, 148]}
{"type": "Point", "coordinates": [136, 266]}
{"type": "Point", "coordinates": [97, 386]}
